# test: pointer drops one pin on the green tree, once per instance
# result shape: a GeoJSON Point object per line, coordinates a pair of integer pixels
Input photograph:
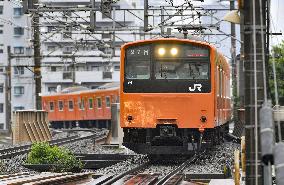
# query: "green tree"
{"type": "Point", "coordinates": [278, 51]}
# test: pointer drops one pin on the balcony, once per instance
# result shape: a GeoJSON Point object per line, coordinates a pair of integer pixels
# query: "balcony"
{"type": "Point", "coordinates": [81, 77]}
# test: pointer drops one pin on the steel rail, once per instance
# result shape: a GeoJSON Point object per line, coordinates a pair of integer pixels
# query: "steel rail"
{"type": "Point", "coordinates": [176, 170]}
{"type": "Point", "coordinates": [27, 146]}
{"type": "Point", "coordinates": [13, 151]}
{"type": "Point", "coordinates": [120, 176]}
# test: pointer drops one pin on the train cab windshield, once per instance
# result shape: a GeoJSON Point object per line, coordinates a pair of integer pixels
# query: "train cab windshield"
{"type": "Point", "coordinates": [181, 70]}
{"type": "Point", "coordinates": [172, 64]}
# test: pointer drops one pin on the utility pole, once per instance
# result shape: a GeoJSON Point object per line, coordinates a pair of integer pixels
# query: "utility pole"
{"type": "Point", "coordinates": [37, 58]}
{"type": "Point", "coordinates": [93, 16]}
{"type": "Point", "coordinates": [73, 71]}
{"type": "Point", "coordinates": [162, 20]}
{"type": "Point", "coordinates": [233, 61]}
{"type": "Point", "coordinates": [254, 89]}
{"type": "Point", "coordinates": [113, 36]}
{"type": "Point", "coordinates": [146, 16]}
{"type": "Point", "coordinates": [8, 91]}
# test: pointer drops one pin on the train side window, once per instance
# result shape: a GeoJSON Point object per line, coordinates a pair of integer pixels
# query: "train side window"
{"type": "Point", "coordinates": [90, 103]}
{"type": "Point", "coordinates": [107, 101]}
{"type": "Point", "coordinates": [51, 106]}
{"type": "Point", "coordinates": [70, 105]}
{"type": "Point", "coordinates": [60, 105]}
{"type": "Point", "coordinates": [81, 103]}
{"type": "Point", "coordinates": [99, 103]}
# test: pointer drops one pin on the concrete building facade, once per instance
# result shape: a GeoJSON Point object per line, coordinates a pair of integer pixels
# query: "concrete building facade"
{"type": "Point", "coordinates": [15, 31]}
{"type": "Point", "coordinates": [84, 58]}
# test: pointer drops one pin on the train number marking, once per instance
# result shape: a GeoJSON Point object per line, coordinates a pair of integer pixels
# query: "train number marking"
{"type": "Point", "coordinates": [195, 86]}
{"type": "Point", "coordinates": [129, 83]}
{"type": "Point", "coordinates": [146, 52]}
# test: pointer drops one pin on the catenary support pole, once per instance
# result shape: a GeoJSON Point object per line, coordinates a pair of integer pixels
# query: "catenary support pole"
{"type": "Point", "coordinates": [254, 91]}
{"type": "Point", "coordinates": [37, 58]}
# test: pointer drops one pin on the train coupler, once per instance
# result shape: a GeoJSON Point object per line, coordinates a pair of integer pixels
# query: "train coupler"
{"type": "Point", "coordinates": [201, 129]}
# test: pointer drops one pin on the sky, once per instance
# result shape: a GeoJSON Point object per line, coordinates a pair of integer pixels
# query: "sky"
{"type": "Point", "coordinates": [277, 20]}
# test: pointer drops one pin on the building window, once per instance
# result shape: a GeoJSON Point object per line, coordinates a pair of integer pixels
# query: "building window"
{"type": "Point", "coordinates": [19, 90]}
{"type": "Point", "coordinates": [67, 33]}
{"type": "Point", "coordinates": [67, 50]}
{"type": "Point", "coordinates": [53, 68]}
{"type": "Point", "coordinates": [107, 101]}
{"type": "Point", "coordinates": [19, 108]}
{"type": "Point", "coordinates": [106, 36]}
{"type": "Point", "coordinates": [51, 89]}
{"type": "Point", "coordinates": [28, 51]}
{"type": "Point", "coordinates": [60, 105]}
{"type": "Point", "coordinates": [95, 68]}
{"type": "Point", "coordinates": [90, 103]}
{"type": "Point", "coordinates": [71, 105]}
{"type": "Point", "coordinates": [51, 28]}
{"type": "Point", "coordinates": [19, 50]}
{"type": "Point", "coordinates": [99, 103]}
{"type": "Point", "coordinates": [1, 69]}
{"type": "Point", "coordinates": [1, 31]}
{"type": "Point", "coordinates": [1, 126]}
{"type": "Point", "coordinates": [51, 48]}
{"type": "Point", "coordinates": [1, 9]}
{"type": "Point", "coordinates": [18, 12]}
{"type": "Point", "coordinates": [1, 50]}
{"type": "Point", "coordinates": [1, 107]}
{"type": "Point", "coordinates": [51, 106]}
{"type": "Point", "coordinates": [116, 68]}
{"type": "Point", "coordinates": [107, 75]}
{"type": "Point", "coordinates": [20, 70]}
{"type": "Point", "coordinates": [18, 31]}
{"type": "Point", "coordinates": [1, 88]}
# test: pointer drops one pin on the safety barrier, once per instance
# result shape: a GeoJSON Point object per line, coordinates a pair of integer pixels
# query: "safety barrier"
{"type": "Point", "coordinates": [30, 126]}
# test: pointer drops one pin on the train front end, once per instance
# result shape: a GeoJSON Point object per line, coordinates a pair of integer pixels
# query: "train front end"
{"type": "Point", "coordinates": [166, 95]}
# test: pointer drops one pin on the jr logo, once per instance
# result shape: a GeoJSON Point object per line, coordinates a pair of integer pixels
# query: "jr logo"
{"type": "Point", "coordinates": [195, 86]}
{"type": "Point", "coordinates": [129, 82]}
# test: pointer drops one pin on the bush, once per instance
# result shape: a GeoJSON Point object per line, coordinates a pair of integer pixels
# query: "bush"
{"type": "Point", "coordinates": [62, 159]}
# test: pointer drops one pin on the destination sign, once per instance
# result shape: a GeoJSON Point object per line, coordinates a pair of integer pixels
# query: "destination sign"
{"type": "Point", "coordinates": [138, 52]}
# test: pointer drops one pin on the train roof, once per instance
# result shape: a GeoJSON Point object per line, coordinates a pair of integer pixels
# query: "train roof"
{"type": "Point", "coordinates": [81, 89]}
{"type": "Point", "coordinates": [190, 38]}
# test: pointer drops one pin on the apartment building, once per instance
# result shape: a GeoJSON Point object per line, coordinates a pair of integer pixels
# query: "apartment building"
{"type": "Point", "coordinates": [15, 32]}
{"type": "Point", "coordinates": [83, 57]}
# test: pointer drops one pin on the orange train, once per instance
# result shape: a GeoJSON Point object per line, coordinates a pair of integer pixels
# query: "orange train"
{"type": "Point", "coordinates": [81, 107]}
{"type": "Point", "coordinates": [174, 95]}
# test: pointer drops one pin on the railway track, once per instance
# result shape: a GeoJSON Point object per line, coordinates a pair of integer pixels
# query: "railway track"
{"type": "Point", "coordinates": [134, 176]}
{"type": "Point", "coordinates": [45, 178]}
{"type": "Point", "coordinates": [175, 176]}
{"type": "Point", "coordinates": [23, 149]}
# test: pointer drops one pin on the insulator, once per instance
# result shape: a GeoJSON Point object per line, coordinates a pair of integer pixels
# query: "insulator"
{"type": "Point", "coordinates": [279, 162]}
{"type": "Point", "coordinates": [266, 133]}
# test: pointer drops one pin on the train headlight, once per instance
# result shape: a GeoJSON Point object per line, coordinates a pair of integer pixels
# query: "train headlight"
{"type": "Point", "coordinates": [174, 51]}
{"type": "Point", "coordinates": [161, 51]}
{"type": "Point", "coordinates": [203, 119]}
{"type": "Point", "coordinates": [129, 118]}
